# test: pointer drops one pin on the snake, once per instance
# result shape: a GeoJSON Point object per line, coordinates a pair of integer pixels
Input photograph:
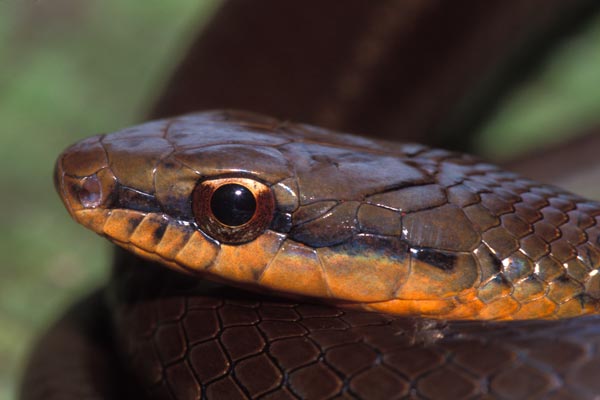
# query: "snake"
{"type": "Point", "coordinates": [267, 259]}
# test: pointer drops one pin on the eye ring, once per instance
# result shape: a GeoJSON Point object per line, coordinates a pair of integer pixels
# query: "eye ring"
{"type": "Point", "coordinates": [233, 210]}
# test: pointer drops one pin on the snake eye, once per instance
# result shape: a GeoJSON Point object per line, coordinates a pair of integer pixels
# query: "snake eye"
{"type": "Point", "coordinates": [232, 210]}
{"type": "Point", "coordinates": [233, 204]}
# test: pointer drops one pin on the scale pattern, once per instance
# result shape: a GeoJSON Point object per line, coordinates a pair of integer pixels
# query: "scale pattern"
{"type": "Point", "coordinates": [187, 341]}
{"type": "Point", "coordinates": [398, 228]}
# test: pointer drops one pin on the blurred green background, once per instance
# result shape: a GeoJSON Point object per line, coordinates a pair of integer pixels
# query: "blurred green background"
{"type": "Point", "coordinates": [72, 68]}
{"type": "Point", "coordinates": [68, 69]}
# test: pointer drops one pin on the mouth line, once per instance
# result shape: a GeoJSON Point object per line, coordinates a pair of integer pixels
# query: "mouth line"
{"type": "Point", "coordinates": [150, 232]}
{"type": "Point", "coordinates": [129, 198]}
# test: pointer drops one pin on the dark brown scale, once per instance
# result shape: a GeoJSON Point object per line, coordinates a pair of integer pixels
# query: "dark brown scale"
{"type": "Point", "coordinates": [442, 260]}
{"type": "Point", "coordinates": [314, 351]}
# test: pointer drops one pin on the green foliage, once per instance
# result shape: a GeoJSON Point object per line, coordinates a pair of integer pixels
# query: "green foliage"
{"type": "Point", "coordinates": [562, 99]}
{"type": "Point", "coordinates": [68, 69]}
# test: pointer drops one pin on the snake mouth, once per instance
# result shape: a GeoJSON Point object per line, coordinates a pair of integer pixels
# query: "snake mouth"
{"type": "Point", "coordinates": [128, 217]}
{"type": "Point", "coordinates": [153, 236]}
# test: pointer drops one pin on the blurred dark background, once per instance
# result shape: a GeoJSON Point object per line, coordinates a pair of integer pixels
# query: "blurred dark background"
{"type": "Point", "coordinates": [73, 68]}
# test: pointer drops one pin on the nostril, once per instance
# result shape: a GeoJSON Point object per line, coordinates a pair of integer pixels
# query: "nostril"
{"type": "Point", "coordinates": [90, 192]}
{"type": "Point", "coordinates": [87, 192]}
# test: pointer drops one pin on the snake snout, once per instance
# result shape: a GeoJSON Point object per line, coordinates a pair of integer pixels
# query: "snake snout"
{"type": "Point", "coordinates": [82, 177]}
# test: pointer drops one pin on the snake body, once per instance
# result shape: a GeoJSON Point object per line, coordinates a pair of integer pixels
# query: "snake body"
{"type": "Point", "coordinates": [395, 239]}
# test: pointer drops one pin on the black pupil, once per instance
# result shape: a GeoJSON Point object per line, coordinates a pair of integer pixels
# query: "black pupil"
{"type": "Point", "coordinates": [233, 204]}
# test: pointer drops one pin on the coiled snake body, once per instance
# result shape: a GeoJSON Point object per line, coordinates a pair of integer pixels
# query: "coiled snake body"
{"type": "Point", "coordinates": [401, 242]}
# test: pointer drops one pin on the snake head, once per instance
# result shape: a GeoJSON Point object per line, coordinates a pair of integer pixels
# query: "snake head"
{"type": "Point", "coordinates": [297, 210]}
